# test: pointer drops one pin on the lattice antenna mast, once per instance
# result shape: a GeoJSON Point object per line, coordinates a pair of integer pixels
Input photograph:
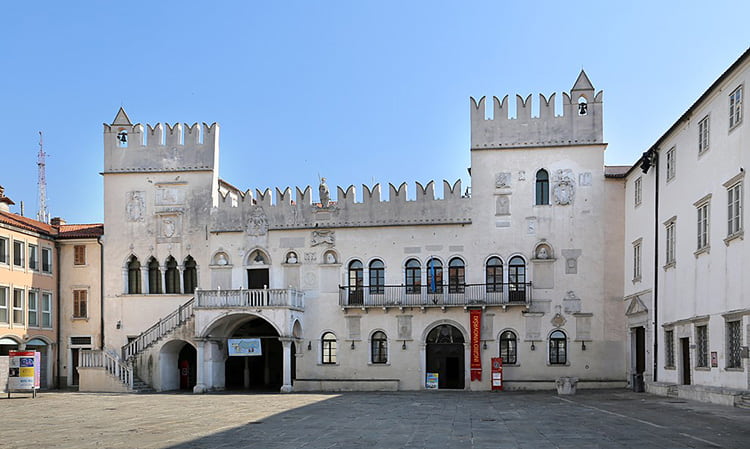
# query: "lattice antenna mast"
{"type": "Point", "coordinates": [42, 215]}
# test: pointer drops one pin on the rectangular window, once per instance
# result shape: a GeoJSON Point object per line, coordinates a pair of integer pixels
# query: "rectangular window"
{"type": "Point", "coordinates": [671, 163]}
{"type": "Point", "coordinates": [637, 246]}
{"type": "Point", "coordinates": [670, 241]}
{"type": "Point", "coordinates": [734, 209]}
{"type": "Point", "coordinates": [703, 210]}
{"type": "Point", "coordinates": [32, 309]}
{"type": "Point", "coordinates": [4, 305]}
{"type": "Point", "coordinates": [47, 260]}
{"type": "Point", "coordinates": [735, 107]}
{"type": "Point", "coordinates": [3, 250]}
{"type": "Point", "coordinates": [701, 347]}
{"type": "Point", "coordinates": [18, 300]}
{"type": "Point", "coordinates": [703, 135]}
{"type": "Point", "coordinates": [47, 310]}
{"type": "Point", "coordinates": [18, 256]}
{"type": "Point", "coordinates": [80, 303]}
{"type": "Point", "coordinates": [734, 344]}
{"type": "Point", "coordinates": [669, 348]}
{"type": "Point", "coordinates": [33, 257]}
{"type": "Point", "coordinates": [79, 255]}
{"type": "Point", "coordinates": [638, 190]}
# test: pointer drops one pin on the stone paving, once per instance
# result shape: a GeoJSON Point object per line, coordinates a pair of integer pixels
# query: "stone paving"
{"type": "Point", "coordinates": [429, 419]}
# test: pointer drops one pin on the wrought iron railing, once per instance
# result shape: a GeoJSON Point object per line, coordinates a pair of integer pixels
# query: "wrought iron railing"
{"type": "Point", "coordinates": [158, 330]}
{"type": "Point", "coordinates": [256, 298]}
{"type": "Point", "coordinates": [112, 364]}
{"type": "Point", "coordinates": [436, 296]}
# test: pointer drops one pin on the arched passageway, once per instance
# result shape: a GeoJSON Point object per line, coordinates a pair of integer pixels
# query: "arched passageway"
{"type": "Point", "coordinates": [445, 356]}
{"type": "Point", "coordinates": [258, 372]}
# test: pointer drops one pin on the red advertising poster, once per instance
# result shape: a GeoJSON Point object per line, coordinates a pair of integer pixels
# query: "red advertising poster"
{"type": "Point", "coordinates": [497, 373]}
{"type": "Point", "coordinates": [476, 337]}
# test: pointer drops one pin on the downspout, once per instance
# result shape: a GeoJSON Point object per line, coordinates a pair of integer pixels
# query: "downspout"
{"type": "Point", "coordinates": [101, 292]}
{"type": "Point", "coordinates": [654, 161]}
{"type": "Point", "coordinates": [59, 315]}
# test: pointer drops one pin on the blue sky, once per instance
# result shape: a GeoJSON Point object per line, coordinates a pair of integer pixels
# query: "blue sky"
{"type": "Point", "coordinates": [356, 91]}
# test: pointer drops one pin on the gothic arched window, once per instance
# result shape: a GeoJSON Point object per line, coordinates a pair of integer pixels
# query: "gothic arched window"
{"type": "Point", "coordinates": [154, 277]}
{"type": "Point", "coordinates": [134, 276]}
{"type": "Point", "coordinates": [172, 276]}
{"type": "Point", "coordinates": [190, 276]}
{"type": "Point", "coordinates": [542, 187]}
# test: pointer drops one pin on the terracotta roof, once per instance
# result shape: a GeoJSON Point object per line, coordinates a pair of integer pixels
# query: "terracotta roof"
{"type": "Point", "coordinates": [27, 223]}
{"type": "Point", "coordinates": [73, 231]}
{"type": "Point", "coordinates": [616, 171]}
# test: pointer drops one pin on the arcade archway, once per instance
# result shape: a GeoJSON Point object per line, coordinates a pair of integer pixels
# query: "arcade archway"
{"type": "Point", "coordinates": [445, 356]}
{"type": "Point", "coordinates": [260, 372]}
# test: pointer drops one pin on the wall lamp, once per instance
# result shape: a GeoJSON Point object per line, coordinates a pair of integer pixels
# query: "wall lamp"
{"type": "Point", "coordinates": [583, 346]}
{"type": "Point", "coordinates": [532, 346]}
{"type": "Point", "coordinates": [352, 346]}
{"type": "Point", "coordinates": [119, 324]}
{"type": "Point", "coordinates": [309, 346]}
{"type": "Point", "coordinates": [403, 345]}
{"type": "Point", "coordinates": [484, 345]}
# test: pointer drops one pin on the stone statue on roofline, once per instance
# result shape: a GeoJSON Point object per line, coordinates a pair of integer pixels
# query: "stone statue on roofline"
{"type": "Point", "coordinates": [325, 194]}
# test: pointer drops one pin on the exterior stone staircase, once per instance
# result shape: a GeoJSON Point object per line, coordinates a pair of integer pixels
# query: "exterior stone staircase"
{"type": "Point", "coordinates": [140, 386]}
{"type": "Point", "coordinates": [156, 332]}
{"type": "Point", "coordinates": [743, 401]}
{"type": "Point", "coordinates": [672, 391]}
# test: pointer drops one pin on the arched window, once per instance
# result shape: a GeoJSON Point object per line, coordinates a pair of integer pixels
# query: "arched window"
{"type": "Point", "coordinates": [456, 275]}
{"type": "Point", "coordinates": [434, 276]}
{"type": "Point", "coordinates": [356, 282]}
{"type": "Point", "coordinates": [558, 348]}
{"type": "Point", "coordinates": [494, 275]}
{"type": "Point", "coordinates": [377, 277]}
{"type": "Point", "coordinates": [134, 276]}
{"type": "Point", "coordinates": [379, 345]}
{"type": "Point", "coordinates": [172, 276]}
{"type": "Point", "coordinates": [328, 348]}
{"type": "Point", "coordinates": [413, 275]}
{"type": "Point", "coordinates": [508, 345]}
{"type": "Point", "coordinates": [517, 279]}
{"type": "Point", "coordinates": [190, 276]}
{"type": "Point", "coordinates": [542, 187]}
{"type": "Point", "coordinates": [154, 277]}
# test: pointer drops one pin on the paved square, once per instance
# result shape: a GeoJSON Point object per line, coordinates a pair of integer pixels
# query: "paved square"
{"type": "Point", "coordinates": [431, 419]}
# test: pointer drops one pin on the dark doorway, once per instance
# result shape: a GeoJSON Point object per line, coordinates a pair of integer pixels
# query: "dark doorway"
{"type": "Point", "coordinates": [186, 364]}
{"type": "Point", "coordinates": [263, 372]}
{"type": "Point", "coordinates": [685, 349]}
{"type": "Point", "coordinates": [257, 278]}
{"type": "Point", "coordinates": [74, 353]}
{"type": "Point", "coordinates": [294, 361]}
{"type": "Point", "coordinates": [445, 356]}
{"type": "Point", "coordinates": [640, 350]}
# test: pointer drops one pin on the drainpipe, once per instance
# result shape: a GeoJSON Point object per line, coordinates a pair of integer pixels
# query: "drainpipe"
{"type": "Point", "coordinates": [101, 292]}
{"type": "Point", "coordinates": [648, 160]}
{"type": "Point", "coordinates": [59, 315]}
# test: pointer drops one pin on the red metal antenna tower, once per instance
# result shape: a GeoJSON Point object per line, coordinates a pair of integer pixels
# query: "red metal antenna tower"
{"type": "Point", "coordinates": [42, 215]}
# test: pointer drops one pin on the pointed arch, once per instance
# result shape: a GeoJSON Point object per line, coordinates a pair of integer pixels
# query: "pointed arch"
{"type": "Point", "coordinates": [134, 275]}
{"type": "Point", "coordinates": [154, 277]}
{"type": "Point", "coordinates": [190, 275]}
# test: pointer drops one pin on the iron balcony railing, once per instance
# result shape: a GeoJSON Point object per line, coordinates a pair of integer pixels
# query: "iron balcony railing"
{"type": "Point", "coordinates": [256, 298]}
{"type": "Point", "coordinates": [436, 296]}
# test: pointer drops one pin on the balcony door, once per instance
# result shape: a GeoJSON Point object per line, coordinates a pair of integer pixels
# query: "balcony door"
{"type": "Point", "coordinates": [257, 278]}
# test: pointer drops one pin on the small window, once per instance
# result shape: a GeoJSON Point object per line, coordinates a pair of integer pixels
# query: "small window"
{"type": "Point", "coordinates": [33, 309]}
{"type": "Point", "coordinates": [703, 216]}
{"type": "Point", "coordinates": [494, 275]}
{"type": "Point", "coordinates": [18, 302]}
{"type": "Point", "coordinates": [377, 277]}
{"type": "Point", "coordinates": [33, 257]}
{"type": "Point", "coordinates": [47, 310]}
{"type": "Point", "coordinates": [79, 255]}
{"type": "Point", "coordinates": [413, 273]}
{"type": "Point", "coordinates": [558, 348]}
{"type": "Point", "coordinates": [172, 276]}
{"type": "Point", "coordinates": [3, 250]}
{"type": "Point", "coordinates": [508, 347]}
{"type": "Point", "coordinates": [703, 130]}
{"type": "Point", "coordinates": [701, 346]}
{"type": "Point", "coordinates": [735, 107]}
{"type": "Point", "coordinates": [4, 305]}
{"type": "Point", "coordinates": [81, 341]}
{"type": "Point", "coordinates": [154, 277]}
{"type": "Point", "coordinates": [134, 276]}
{"type": "Point", "coordinates": [638, 190]}
{"type": "Point", "coordinates": [542, 187]}
{"type": "Point", "coordinates": [637, 251]}
{"type": "Point", "coordinates": [190, 276]}
{"type": "Point", "coordinates": [329, 348]}
{"type": "Point", "coordinates": [47, 260]}
{"type": "Point", "coordinates": [18, 253]}
{"type": "Point", "coordinates": [379, 347]}
{"type": "Point", "coordinates": [80, 303]}
{"type": "Point", "coordinates": [669, 348]}
{"type": "Point", "coordinates": [734, 344]}
{"type": "Point", "coordinates": [670, 242]}
{"type": "Point", "coordinates": [435, 275]}
{"type": "Point", "coordinates": [456, 276]}
{"type": "Point", "coordinates": [671, 163]}
{"type": "Point", "coordinates": [734, 209]}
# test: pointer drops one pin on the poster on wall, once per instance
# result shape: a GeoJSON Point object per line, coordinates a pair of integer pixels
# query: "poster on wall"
{"type": "Point", "coordinates": [244, 347]}
{"type": "Point", "coordinates": [476, 338]}
{"type": "Point", "coordinates": [24, 372]}
{"type": "Point", "coordinates": [431, 381]}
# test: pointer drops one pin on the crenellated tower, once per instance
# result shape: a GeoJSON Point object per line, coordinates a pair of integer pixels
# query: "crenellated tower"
{"type": "Point", "coordinates": [579, 123]}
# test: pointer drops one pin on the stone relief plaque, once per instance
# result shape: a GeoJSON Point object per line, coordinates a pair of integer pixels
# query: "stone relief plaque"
{"type": "Point", "coordinates": [322, 236]}
{"type": "Point", "coordinates": [404, 327]}
{"type": "Point", "coordinates": [571, 303]}
{"type": "Point", "coordinates": [502, 180]}
{"type": "Point", "coordinates": [584, 179]}
{"type": "Point", "coordinates": [564, 188]}
{"type": "Point", "coordinates": [257, 225]}
{"type": "Point", "coordinates": [169, 196]}
{"type": "Point", "coordinates": [135, 206]}
{"type": "Point", "coordinates": [531, 226]}
{"type": "Point", "coordinates": [169, 228]}
{"type": "Point", "coordinates": [502, 205]}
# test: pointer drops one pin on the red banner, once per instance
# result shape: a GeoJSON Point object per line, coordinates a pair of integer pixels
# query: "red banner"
{"type": "Point", "coordinates": [476, 340]}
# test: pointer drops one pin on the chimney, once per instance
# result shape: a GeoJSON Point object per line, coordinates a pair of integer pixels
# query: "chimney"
{"type": "Point", "coordinates": [5, 202]}
{"type": "Point", "coordinates": [57, 221]}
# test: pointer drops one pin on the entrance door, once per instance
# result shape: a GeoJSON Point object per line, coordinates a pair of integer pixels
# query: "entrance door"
{"type": "Point", "coordinates": [685, 348]}
{"type": "Point", "coordinates": [640, 350]}
{"type": "Point", "coordinates": [74, 352]}
{"type": "Point", "coordinates": [257, 278]}
{"type": "Point", "coordinates": [445, 356]}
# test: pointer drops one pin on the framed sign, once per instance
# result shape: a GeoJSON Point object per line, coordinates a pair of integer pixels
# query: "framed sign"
{"type": "Point", "coordinates": [244, 347]}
